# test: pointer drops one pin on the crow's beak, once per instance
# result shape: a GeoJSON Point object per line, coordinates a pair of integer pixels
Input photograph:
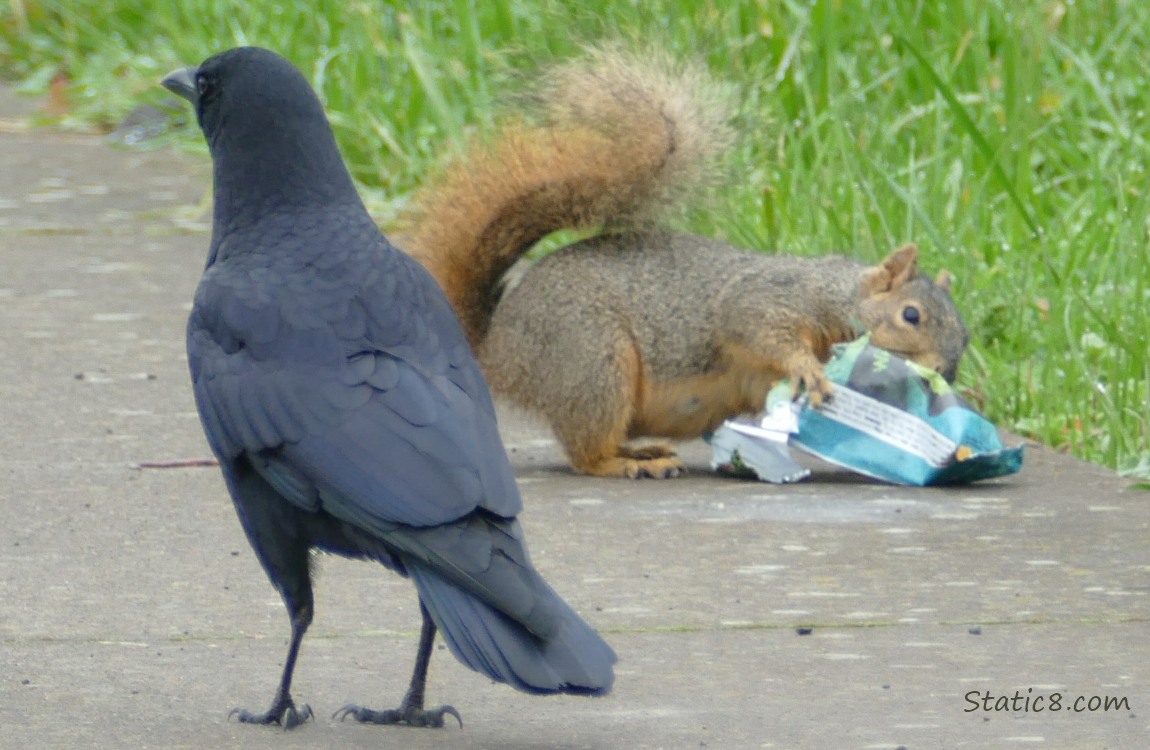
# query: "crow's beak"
{"type": "Point", "coordinates": [182, 82]}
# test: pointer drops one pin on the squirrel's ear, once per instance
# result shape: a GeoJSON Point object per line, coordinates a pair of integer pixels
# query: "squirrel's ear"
{"type": "Point", "coordinates": [944, 280]}
{"type": "Point", "coordinates": [899, 267]}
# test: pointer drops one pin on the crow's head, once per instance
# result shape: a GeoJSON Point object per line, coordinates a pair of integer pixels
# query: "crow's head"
{"type": "Point", "coordinates": [270, 139]}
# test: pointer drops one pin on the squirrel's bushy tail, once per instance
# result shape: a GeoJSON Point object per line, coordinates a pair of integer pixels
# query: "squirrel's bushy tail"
{"type": "Point", "coordinates": [606, 140]}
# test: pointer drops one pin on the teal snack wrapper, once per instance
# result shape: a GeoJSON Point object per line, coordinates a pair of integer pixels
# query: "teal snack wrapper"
{"type": "Point", "coordinates": [888, 418]}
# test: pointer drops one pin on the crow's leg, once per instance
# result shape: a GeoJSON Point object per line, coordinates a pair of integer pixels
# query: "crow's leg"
{"type": "Point", "coordinates": [283, 710]}
{"type": "Point", "coordinates": [277, 533]}
{"type": "Point", "coordinates": [410, 711]}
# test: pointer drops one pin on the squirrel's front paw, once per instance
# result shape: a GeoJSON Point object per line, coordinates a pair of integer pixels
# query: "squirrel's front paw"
{"type": "Point", "coordinates": [810, 377]}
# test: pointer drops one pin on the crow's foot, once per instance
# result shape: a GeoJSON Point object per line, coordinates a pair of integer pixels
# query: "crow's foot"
{"type": "Point", "coordinates": [410, 715]}
{"type": "Point", "coordinates": [283, 713]}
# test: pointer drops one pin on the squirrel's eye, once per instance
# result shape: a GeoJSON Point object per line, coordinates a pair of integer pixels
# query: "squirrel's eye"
{"type": "Point", "coordinates": [911, 315]}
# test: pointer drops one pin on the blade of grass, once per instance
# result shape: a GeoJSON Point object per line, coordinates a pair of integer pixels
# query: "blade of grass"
{"type": "Point", "coordinates": [968, 124]}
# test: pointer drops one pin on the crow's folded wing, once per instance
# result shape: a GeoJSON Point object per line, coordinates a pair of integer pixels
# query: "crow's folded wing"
{"type": "Point", "coordinates": [381, 404]}
{"type": "Point", "coordinates": [410, 458]}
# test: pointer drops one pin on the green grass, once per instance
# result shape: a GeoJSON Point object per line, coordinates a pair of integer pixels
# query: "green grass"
{"type": "Point", "coordinates": [1007, 138]}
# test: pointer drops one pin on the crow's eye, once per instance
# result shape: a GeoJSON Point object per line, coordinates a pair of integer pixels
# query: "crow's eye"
{"type": "Point", "coordinates": [911, 315]}
{"type": "Point", "coordinates": [202, 84]}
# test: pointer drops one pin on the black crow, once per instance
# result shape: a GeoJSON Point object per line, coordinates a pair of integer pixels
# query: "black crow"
{"type": "Point", "coordinates": [346, 409]}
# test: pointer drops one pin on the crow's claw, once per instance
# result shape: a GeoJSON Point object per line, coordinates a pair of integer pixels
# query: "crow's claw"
{"type": "Point", "coordinates": [286, 715]}
{"type": "Point", "coordinates": [415, 717]}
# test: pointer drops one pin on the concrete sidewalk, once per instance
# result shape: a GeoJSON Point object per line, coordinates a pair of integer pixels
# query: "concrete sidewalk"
{"type": "Point", "coordinates": [134, 615]}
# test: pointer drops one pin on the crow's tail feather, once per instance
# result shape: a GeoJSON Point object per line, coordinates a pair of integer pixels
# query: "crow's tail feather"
{"type": "Point", "coordinates": [574, 660]}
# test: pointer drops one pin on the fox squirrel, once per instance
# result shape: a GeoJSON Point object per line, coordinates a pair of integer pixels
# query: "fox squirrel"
{"type": "Point", "coordinates": [638, 331]}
